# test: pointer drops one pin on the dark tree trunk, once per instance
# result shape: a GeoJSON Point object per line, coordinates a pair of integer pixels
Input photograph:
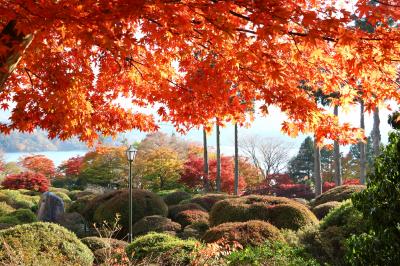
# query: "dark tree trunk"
{"type": "Point", "coordinates": [236, 184]}
{"type": "Point", "coordinates": [205, 158]}
{"type": "Point", "coordinates": [218, 177]}
{"type": "Point", "coordinates": [363, 158]}
{"type": "Point", "coordinates": [338, 165]}
{"type": "Point", "coordinates": [317, 169]}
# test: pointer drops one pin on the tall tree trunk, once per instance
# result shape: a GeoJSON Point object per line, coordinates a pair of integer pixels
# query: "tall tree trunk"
{"type": "Point", "coordinates": [236, 184]}
{"type": "Point", "coordinates": [376, 134]}
{"type": "Point", "coordinates": [317, 169]}
{"type": "Point", "coordinates": [363, 158]}
{"type": "Point", "coordinates": [16, 42]}
{"type": "Point", "coordinates": [205, 158]}
{"type": "Point", "coordinates": [218, 177]}
{"type": "Point", "coordinates": [338, 165]}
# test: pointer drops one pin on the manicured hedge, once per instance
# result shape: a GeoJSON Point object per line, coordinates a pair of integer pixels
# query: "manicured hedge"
{"type": "Point", "coordinates": [188, 217]}
{"type": "Point", "coordinates": [207, 201]}
{"type": "Point", "coordinates": [339, 193]}
{"type": "Point", "coordinates": [175, 197]}
{"type": "Point", "coordinates": [42, 244]}
{"type": "Point", "coordinates": [17, 200]}
{"type": "Point", "coordinates": [174, 210]}
{"type": "Point", "coordinates": [322, 210]}
{"type": "Point", "coordinates": [19, 216]}
{"type": "Point", "coordinates": [155, 223]}
{"type": "Point", "coordinates": [251, 233]}
{"type": "Point", "coordinates": [281, 212]}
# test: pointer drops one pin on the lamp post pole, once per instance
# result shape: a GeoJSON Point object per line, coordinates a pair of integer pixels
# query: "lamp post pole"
{"type": "Point", "coordinates": [130, 154]}
{"type": "Point", "coordinates": [130, 201]}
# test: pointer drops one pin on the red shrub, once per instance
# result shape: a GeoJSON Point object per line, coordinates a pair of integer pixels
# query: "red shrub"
{"type": "Point", "coordinates": [193, 173]}
{"type": "Point", "coordinates": [328, 185]}
{"type": "Point", "coordinates": [26, 180]}
{"type": "Point", "coordinates": [39, 164]}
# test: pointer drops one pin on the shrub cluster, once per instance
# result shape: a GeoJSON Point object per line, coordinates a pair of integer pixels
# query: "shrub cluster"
{"type": "Point", "coordinates": [174, 210]}
{"type": "Point", "coordinates": [19, 216]}
{"type": "Point", "coordinates": [176, 197]}
{"type": "Point", "coordinates": [188, 217]}
{"type": "Point", "coordinates": [288, 190]}
{"type": "Point", "coordinates": [279, 211]}
{"type": "Point", "coordinates": [251, 233]}
{"type": "Point", "coordinates": [155, 223]}
{"type": "Point", "coordinates": [323, 209]}
{"type": "Point", "coordinates": [26, 180]}
{"type": "Point", "coordinates": [16, 199]}
{"type": "Point", "coordinates": [42, 244]}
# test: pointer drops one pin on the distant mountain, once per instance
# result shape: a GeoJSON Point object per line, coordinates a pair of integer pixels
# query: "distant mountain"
{"type": "Point", "coordinates": [37, 141]}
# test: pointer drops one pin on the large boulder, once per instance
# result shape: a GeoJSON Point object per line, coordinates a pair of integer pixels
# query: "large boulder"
{"type": "Point", "coordinates": [155, 223]}
{"type": "Point", "coordinates": [42, 244]}
{"type": "Point", "coordinates": [340, 193]}
{"type": "Point", "coordinates": [50, 207]}
{"type": "Point", "coordinates": [280, 212]}
{"type": "Point", "coordinates": [251, 233]}
{"type": "Point", "coordinates": [106, 208]}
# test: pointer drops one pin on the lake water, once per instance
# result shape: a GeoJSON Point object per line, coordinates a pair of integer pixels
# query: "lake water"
{"type": "Point", "coordinates": [57, 156]}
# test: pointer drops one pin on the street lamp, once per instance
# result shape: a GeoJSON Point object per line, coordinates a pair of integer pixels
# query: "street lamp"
{"type": "Point", "coordinates": [130, 154]}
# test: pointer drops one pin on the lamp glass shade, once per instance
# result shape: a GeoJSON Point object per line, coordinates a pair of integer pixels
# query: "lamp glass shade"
{"type": "Point", "coordinates": [131, 153]}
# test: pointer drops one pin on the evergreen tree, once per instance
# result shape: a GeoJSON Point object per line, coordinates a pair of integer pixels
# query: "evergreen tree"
{"type": "Point", "coordinates": [302, 164]}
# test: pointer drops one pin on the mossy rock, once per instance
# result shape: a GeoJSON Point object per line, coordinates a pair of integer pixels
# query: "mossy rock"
{"type": "Point", "coordinates": [163, 249]}
{"type": "Point", "coordinates": [188, 217]}
{"type": "Point", "coordinates": [207, 201]}
{"type": "Point", "coordinates": [176, 197]}
{"type": "Point", "coordinates": [281, 212]}
{"type": "Point", "coordinates": [250, 233]}
{"type": "Point", "coordinates": [145, 203]}
{"type": "Point", "coordinates": [155, 223]}
{"type": "Point", "coordinates": [340, 193]}
{"type": "Point", "coordinates": [5, 208]}
{"type": "Point", "coordinates": [19, 216]}
{"type": "Point", "coordinates": [322, 210]}
{"type": "Point", "coordinates": [42, 244]}
{"type": "Point", "coordinates": [17, 200]}
{"type": "Point", "coordinates": [174, 210]}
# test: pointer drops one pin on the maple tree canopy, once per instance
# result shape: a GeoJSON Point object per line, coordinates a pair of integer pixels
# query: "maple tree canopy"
{"type": "Point", "coordinates": [65, 65]}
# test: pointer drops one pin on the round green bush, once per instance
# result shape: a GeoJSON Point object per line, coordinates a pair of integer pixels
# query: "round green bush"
{"type": "Point", "coordinates": [207, 201]}
{"type": "Point", "coordinates": [176, 197]}
{"type": "Point", "coordinates": [95, 243]}
{"type": "Point", "coordinates": [94, 203]}
{"type": "Point", "coordinates": [174, 210]}
{"type": "Point", "coordinates": [42, 244]}
{"type": "Point", "coordinates": [155, 223]}
{"type": "Point", "coordinates": [251, 233]}
{"type": "Point", "coordinates": [80, 204]}
{"type": "Point", "coordinates": [145, 203]}
{"type": "Point", "coordinates": [188, 217]}
{"type": "Point", "coordinates": [5, 208]}
{"type": "Point", "coordinates": [161, 248]}
{"type": "Point", "coordinates": [17, 200]}
{"type": "Point", "coordinates": [339, 193]}
{"type": "Point", "coordinates": [279, 211]}
{"type": "Point", "coordinates": [55, 190]}
{"type": "Point", "coordinates": [322, 210]}
{"type": "Point", "coordinates": [77, 194]}
{"type": "Point", "coordinates": [19, 216]}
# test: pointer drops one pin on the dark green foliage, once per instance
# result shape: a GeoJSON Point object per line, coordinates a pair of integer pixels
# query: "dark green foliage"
{"type": "Point", "coordinates": [161, 248]}
{"type": "Point", "coordinates": [251, 233]}
{"type": "Point", "coordinates": [155, 223]}
{"type": "Point", "coordinates": [175, 209]}
{"type": "Point", "coordinates": [175, 197]}
{"type": "Point", "coordinates": [271, 253]}
{"type": "Point", "coordinates": [5, 208]}
{"type": "Point", "coordinates": [145, 203]}
{"type": "Point", "coordinates": [303, 163]}
{"type": "Point", "coordinates": [93, 203]}
{"type": "Point", "coordinates": [323, 209]}
{"type": "Point", "coordinates": [80, 204]}
{"type": "Point", "coordinates": [19, 216]}
{"type": "Point", "coordinates": [339, 193]}
{"type": "Point", "coordinates": [380, 204]}
{"type": "Point", "coordinates": [281, 212]}
{"type": "Point", "coordinates": [42, 244]}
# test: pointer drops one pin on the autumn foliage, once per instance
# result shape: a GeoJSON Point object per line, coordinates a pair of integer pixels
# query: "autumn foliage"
{"type": "Point", "coordinates": [39, 164]}
{"type": "Point", "coordinates": [328, 185]}
{"type": "Point", "coordinates": [72, 167]}
{"type": "Point", "coordinates": [26, 180]}
{"type": "Point", "coordinates": [193, 173]}
{"type": "Point", "coordinates": [217, 56]}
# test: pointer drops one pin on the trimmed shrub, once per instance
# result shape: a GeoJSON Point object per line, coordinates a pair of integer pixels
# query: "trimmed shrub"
{"type": "Point", "coordinates": [176, 197]}
{"type": "Point", "coordinates": [5, 208]}
{"type": "Point", "coordinates": [155, 223]}
{"type": "Point", "coordinates": [207, 201]}
{"type": "Point", "coordinates": [322, 210]}
{"type": "Point", "coordinates": [94, 203]}
{"type": "Point", "coordinates": [26, 180]}
{"type": "Point", "coordinates": [95, 243]}
{"type": "Point", "coordinates": [80, 204]}
{"type": "Point", "coordinates": [42, 244]}
{"type": "Point", "coordinates": [17, 200]}
{"type": "Point", "coordinates": [66, 199]}
{"type": "Point", "coordinates": [77, 194]}
{"type": "Point", "coordinates": [188, 217]}
{"type": "Point", "coordinates": [271, 253]}
{"type": "Point", "coordinates": [194, 230]}
{"type": "Point", "coordinates": [161, 248]}
{"type": "Point", "coordinates": [339, 193]}
{"type": "Point", "coordinates": [57, 189]}
{"type": "Point", "coordinates": [288, 190]}
{"type": "Point", "coordinates": [281, 212]}
{"type": "Point", "coordinates": [19, 216]}
{"type": "Point", "coordinates": [145, 203]}
{"type": "Point", "coordinates": [174, 210]}
{"type": "Point", "coordinates": [251, 233]}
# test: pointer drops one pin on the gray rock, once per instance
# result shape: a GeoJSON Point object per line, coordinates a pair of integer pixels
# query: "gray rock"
{"type": "Point", "coordinates": [50, 207]}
